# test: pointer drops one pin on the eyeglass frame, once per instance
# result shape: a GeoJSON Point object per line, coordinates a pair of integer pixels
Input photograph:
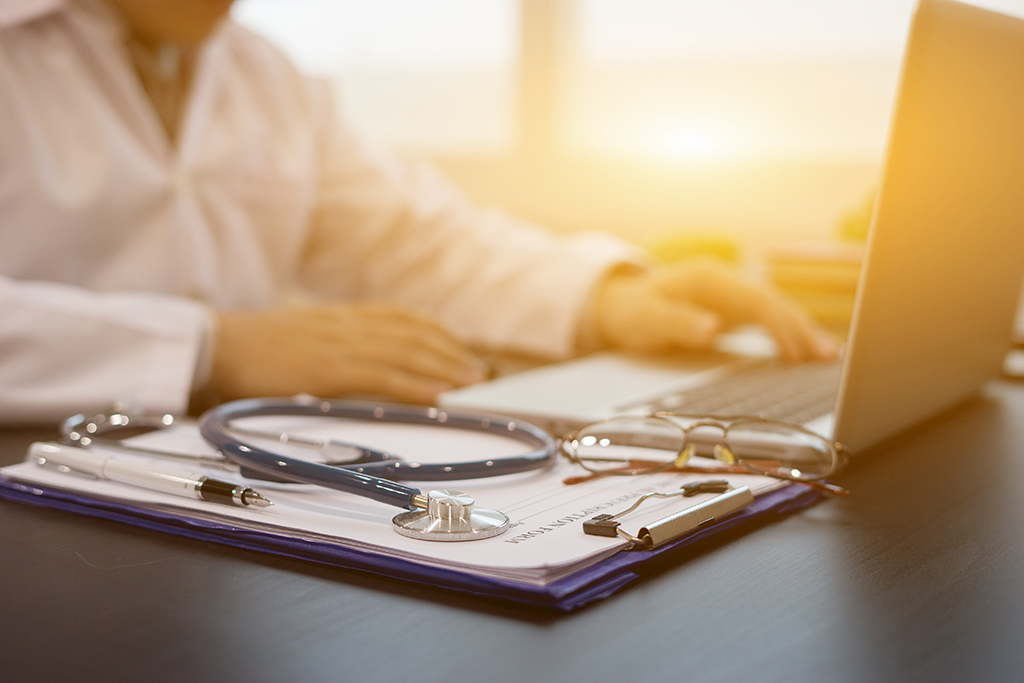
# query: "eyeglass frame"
{"type": "Point", "coordinates": [724, 423]}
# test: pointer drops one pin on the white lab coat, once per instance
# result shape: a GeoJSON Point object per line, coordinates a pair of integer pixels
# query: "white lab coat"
{"type": "Point", "coordinates": [115, 244]}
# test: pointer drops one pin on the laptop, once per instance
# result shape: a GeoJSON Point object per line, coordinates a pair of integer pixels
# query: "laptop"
{"type": "Point", "coordinates": [938, 288]}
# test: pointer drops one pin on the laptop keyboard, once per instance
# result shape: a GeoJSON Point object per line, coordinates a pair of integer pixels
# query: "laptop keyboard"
{"type": "Point", "coordinates": [775, 391]}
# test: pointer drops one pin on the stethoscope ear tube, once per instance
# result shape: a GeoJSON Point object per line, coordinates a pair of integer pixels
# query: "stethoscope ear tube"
{"type": "Point", "coordinates": [214, 426]}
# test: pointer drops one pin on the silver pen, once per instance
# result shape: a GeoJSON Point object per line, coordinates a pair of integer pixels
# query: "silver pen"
{"type": "Point", "coordinates": [177, 482]}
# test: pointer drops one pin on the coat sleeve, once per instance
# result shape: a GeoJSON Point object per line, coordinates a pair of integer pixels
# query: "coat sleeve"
{"type": "Point", "coordinates": [64, 349]}
{"type": "Point", "coordinates": [386, 229]}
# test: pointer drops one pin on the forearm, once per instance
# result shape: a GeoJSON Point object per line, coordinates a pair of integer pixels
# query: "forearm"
{"type": "Point", "coordinates": [390, 231]}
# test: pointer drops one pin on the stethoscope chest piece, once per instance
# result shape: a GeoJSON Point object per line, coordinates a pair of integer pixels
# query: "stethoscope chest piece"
{"type": "Point", "coordinates": [450, 516]}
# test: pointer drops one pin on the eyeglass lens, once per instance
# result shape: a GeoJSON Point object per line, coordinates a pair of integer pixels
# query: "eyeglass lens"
{"type": "Point", "coordinates": [640, 444]}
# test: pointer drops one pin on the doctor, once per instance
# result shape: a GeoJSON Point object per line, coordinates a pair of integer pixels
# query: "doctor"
{"type": "Point", "coordinates": [182, 213]}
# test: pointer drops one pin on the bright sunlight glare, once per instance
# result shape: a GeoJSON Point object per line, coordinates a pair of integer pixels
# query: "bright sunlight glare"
{"type": "Point", "coordinates": [690, 144]}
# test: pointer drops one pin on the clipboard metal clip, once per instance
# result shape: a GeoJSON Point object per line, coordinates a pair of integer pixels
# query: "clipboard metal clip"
{"type": "Point", "coordinates": [680, 523]}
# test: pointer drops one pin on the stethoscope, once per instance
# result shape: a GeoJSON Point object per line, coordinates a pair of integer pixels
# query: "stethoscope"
{"type": "Point", "coordinates": [438, 515]}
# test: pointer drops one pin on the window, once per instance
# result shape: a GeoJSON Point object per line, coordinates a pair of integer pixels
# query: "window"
{"type": "Point", "coordinates": [436, 76]}
{"type": "Point", "coordinates": [763, 120]}
{"type": "Point", "coordinates": [733, 80]}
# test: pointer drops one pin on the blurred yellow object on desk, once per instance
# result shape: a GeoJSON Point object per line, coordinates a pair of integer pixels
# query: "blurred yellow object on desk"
{"type": "Point", "coordinates": [820, 276]}
{"type": "Point", "coordinates": [683, 246]}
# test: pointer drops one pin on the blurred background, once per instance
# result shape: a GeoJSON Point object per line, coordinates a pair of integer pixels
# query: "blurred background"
{"type": "Point", "coordinates": [733, 127]}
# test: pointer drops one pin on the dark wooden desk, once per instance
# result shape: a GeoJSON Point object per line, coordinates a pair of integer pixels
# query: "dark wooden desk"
{"type": "Point", "coordinates": [919, 576]}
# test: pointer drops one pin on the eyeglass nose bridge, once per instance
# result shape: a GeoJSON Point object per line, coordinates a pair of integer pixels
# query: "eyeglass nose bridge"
{"type": "Point", "coordinates": [717, 447]}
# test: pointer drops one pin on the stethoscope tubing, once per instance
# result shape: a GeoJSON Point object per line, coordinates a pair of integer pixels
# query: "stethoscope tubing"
{"type": "Point", "coordinates": [363, 480]}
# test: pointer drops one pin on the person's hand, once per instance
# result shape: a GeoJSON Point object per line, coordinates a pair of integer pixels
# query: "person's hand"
{"type": "Point", "coordinates": [685, 306]}
{"type": "Point", "coordinates": [336, 350]}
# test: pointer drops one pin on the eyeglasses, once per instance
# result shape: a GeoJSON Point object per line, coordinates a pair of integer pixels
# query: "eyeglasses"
{"type": "Point", "coordinates": [666, 442]}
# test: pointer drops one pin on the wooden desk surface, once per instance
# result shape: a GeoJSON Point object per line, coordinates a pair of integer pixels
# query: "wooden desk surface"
{"type": "Point", "coordinates": [919, 576]}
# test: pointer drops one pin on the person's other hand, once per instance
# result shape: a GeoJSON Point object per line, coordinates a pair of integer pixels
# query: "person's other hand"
{"type": "Point", "coordinates": [685, 306]}
{"type": "Point", "coordinates": [336, 350]}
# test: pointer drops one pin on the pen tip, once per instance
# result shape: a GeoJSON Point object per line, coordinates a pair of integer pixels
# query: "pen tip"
{"type": "Point", "coordinates": [256, 498]}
